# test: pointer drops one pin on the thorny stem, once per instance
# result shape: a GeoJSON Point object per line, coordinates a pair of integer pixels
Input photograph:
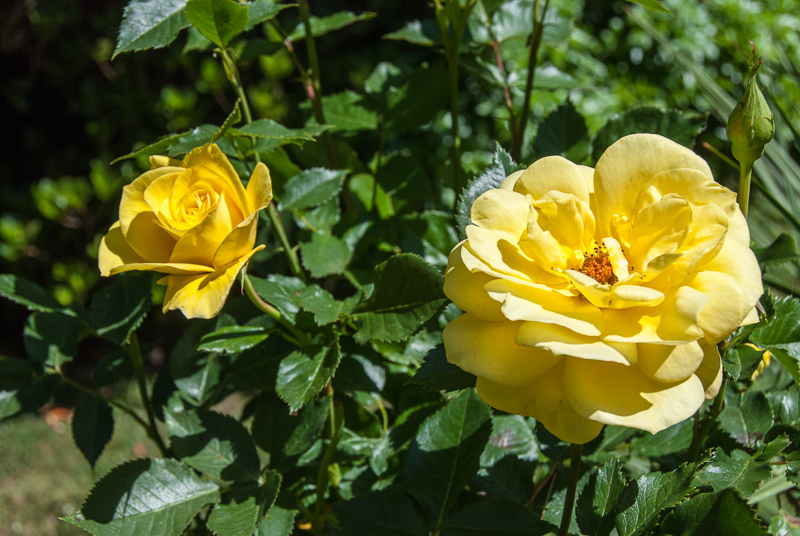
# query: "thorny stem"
{"type": "Point", "coordinates": [312, 83]}
{"type": "Point", "coordinates": [702, 428]}
{"type": "Point", "coordinates": [572, 486]}
{"type": "Point", "coordinates": [138, 370]}
{"type": "Point", "coordinates": [536, 41]}
{"type": "Point", "coordinates": [300, 338]}
{"type": "Point", "coordinates": [336, 417]}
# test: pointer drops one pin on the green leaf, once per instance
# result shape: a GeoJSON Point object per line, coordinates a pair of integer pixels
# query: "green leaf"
{"type": "Point", "coordinates": [281, 291]}
{"type": "Point", "coordinates": [263, 11]}
{"type": "Point", "coordinates": [748, 418]}
{"type": "Point", "coordinates": [741, 361]}
{"type": "Point", "coordinates": [563, 133]}
{"type": "Point", "coordinates": [425, 33]}
{"type": "Point", "coordinates": [676, 437]}
{"type": "Point", "coordinates": [681, 127]}
{"type": "Point", "coordinates": [197, 374]}
{"type": "Point", "coordinates": [30, 295]}
{"type": "Point", "coordinates": [311, 188]}
{"type": "Point", "coordinates": [22, 386]}
{"type": "Point", "coordinates": [595, 508]}
{"type": "Point", "coordinates": [321, 304]}
{"type": "Point", "coordinates": [269, 129]}
{"type": "Point", "coordinates": [243, 508]}
{"type": "Point", "coordinates": [279, 522]}
{"type": "Point", "coordinates": [215, 444]}
{"type": "Point", "coordinates": [192, 139]}
{"type": "Point", "coordinates": [652, 5]}
{"type": "Point", "coordinates": [445, 454]}
{"type": "Point", "coordinates": [92, 427]}
{"type": "Point", "coordinates": [321, 26]}
{"type": "Point", "coordinates": [150, 496]}
{"type": "Point", "coordinates": [388, 512]}
{"type": "Point", "coordinates": [344, 113]}
{"type": "Point", "coordinates": [195, 41]}
{"type": "Point", "coordinates": [112, 368]}
{"type": "Point", "coordinates": [501, 167]}
{"type": "Point", "coordinates": [437, 374]}
{"type": "Point", "coordinates": [415, 99]}
{"type": "Point", "coordinates": [408, 292]}
{"type": "Point", "coordinates": [494, 518]}
{"type": "Point", "coordinates": [713, 514]}
{"type": "Point", "coordinates": [52, 338]}
{"type": "Point", "coordinates": [304, 372]}
{"type": "Point", "coordinates": [218, 20]}
{"type": "Point", "coordinates": [781, 251]}
{"type": "Point", "coordinates": [233, 339]}
{"type": "Point", "coordinates": [150, 24]}
{"type": "Point", "coordinates": [325, 254]}
{"type": "Point", "coordinates": [511, 435]}
{"type": "Point", "coordinates": [738, 471]}
{"type": "Point", "coordinates": [119, 308]}
{"type": "Point", "coordinates": [287, 436]}
{"type": "Point", "coordinates": [643, 500]}
{"type": "Point", "coordinates": [159, 147]}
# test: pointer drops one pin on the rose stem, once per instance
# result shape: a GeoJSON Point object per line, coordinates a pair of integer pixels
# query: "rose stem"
{"type": "Point", "coordinates": [138, 370]}
{"type": "Point", "coordinates": [572, 486]}
{"type": "Point", "coordinates": [336, 418]}
{"type": "Point", "coordinates": [536, 41]}
{"type": "Point", "coordinates": [299, 338]}
{"type": "Point", "coordinates": [745, 175]}
{"type": "Point", "coordinates": [702, 430]}
{"type": "Point", "coordinates": [272, 212]}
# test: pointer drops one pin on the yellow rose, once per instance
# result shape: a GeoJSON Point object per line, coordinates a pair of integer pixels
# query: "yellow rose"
{"type": "Point", "coordinates": [597, 296]}
{"type": "Point", "coordinates": [193, 220]}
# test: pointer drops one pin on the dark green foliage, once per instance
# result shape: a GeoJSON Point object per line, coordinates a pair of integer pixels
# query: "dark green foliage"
{"type": "Point", "coordinates": [92, 427]}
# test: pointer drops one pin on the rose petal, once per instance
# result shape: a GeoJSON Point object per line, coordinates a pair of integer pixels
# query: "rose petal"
{"type": "Point", "coordinates": [630, 163]}
{"type": "Point", "coordinates": [565, 342]}
{"type": "Point", "coordinates": [115, 251]}
{"type": "Point", "coordinates": [210, 162]}
{"type": "Point", "coordinates": [488, 350]}
{"type": "Point", "coordinates": [502, 211]}
{"type": "Point", "coordinates": [670, 363]}
{"type": "Point", "coordinates": [710, 370]}
{"type": "Point", "coordinates": [553, 173]}
{"type": "Point", "coordinates": [626, 396]}
{"type": "Point", "coordinates": [203, 296]}
{"type": "Point", "coordinates": [614, 297]}
{"type": "Point", "coordinates": [465, 288]}
{"type": "Point", "coordinates": [724, 310]}
{"type": "Point", "coordinates": [237, 243]}
{"type": "Point", "coordinates": [545, 401]}
{"type": "Point", "coordinates": [259, 188]}
{"type": "Point", "coordinates": [199, 244]}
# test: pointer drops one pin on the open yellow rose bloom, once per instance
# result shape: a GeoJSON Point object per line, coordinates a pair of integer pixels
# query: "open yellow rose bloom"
{"type": "Point", "coordinates": [193, 220]}
{"type": "Point", "coordinates": [597, 296]}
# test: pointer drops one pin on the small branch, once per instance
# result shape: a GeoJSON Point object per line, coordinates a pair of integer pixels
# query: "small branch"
{"type": "Point", "coordinates": [700, 432]}
{"type": "Point", "coordinates": [336, 417]}
{"type": "Point", "coordinates": [299, 338]}
{"type": "Point", "coordinates": [536, 41]}
{"type": "Point", "coordinates": [138, 370]}
{"type": "Point", "coordinates": [572, 486]}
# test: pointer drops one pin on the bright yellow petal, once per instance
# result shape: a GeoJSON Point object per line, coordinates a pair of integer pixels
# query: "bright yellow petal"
{"type": "Point", "coordinates": [211, 163]}
{"type": "Point", "coordinates": [723, 312]}
{"type": "Point", "coordinates": [115, 251]}
{"type": "Point", "coordinates": [670, 363]}
{"type": "Point", "coordinates": [259, 188]}
{"type": "Point", "coordinates": [630, 163]}
{"type": "Point", "coordinates": [465, 288]}
{"type": "Point", "coordinates": [710, 370]}
{"type": "Point", "coordinates": [565, 342]}
{"type": "Point", "coordinates": [157, 194]}
{"type": "Point", "coordinates": [203, 296]}
{"type": "Point", "coordinates": [503, 255]}
{"type": "Point", "coordinates": [658, 229]}
{"type": "Point", "coordinates": [488, 350]}
{"type": "Point", "coordinates": [157, 161]}
{"type": "Point", "coordinates": [164, 268]}
{"type": "Point", "coordinates": [530, 303]}
{"type": "Point", "coordinates": [626, 396]}
{"type": "Point", "coordinates": [553, 173]}
{"type": "Point", "coordinates": [738, 261]}
{"type": "Point", "coordinates": [238, 242]}
{"type": "Point", "coordinates": [695, 186]}
{"type": "Point", "coordinates": [199, 244]}
{"type": "Point", "coordinates": [509, 182]}
{"type": "Point", "coordinates": [545, 401]}
{"type": "Point", "coordinates": [568, 219]}
{"type": "Point", "coordinates": [502, 211]}
{"type": "Point", "coordinates": [614, 297]}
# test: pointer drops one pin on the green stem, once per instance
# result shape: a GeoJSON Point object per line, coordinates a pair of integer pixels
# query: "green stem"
{"type": "Point", "coordinates": [745, 175]}
{"type": "Point", "coordinates": [313, 84]}
{"type": "Point", "coordinates": [233, 75]}
{"type": "Point", "coordinates": [98, 395]}
{"type": "Point", "coordinates": [138, 370]}
{"type": "Point", "coordinates": [300, 338]}
{"type": "Point", "coordinates": [536, 41]}
{"type": "Point", "coordinates": [291, 254]}
{"type": "Point", "coordinates": [572, 487]}
{"type": "Point", "coordinates": [336, 417]}
{"type": "Point", "coordinates": [700, 431]}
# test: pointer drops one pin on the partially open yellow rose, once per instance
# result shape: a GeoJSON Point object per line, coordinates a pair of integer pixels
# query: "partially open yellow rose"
{"type": "Point", "coordinates": [597, 296]}
{"type": "Point", "coordinates": [193, 220]}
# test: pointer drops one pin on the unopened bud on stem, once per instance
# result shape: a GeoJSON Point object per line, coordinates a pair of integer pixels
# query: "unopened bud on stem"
{"type": "Point", "coordinates": [751, 124]}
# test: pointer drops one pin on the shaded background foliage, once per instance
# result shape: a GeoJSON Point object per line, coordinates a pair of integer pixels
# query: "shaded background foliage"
{"type": "Point", "coordinates": [69, 110]}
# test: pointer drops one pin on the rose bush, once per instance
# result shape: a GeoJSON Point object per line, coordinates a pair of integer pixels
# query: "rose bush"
{"type": "Point", "coordinates": [192, 220]}
{"type": "Point", "coordinates": [598, 296]}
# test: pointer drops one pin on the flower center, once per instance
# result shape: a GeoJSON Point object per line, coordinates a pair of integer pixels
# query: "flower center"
{"type": "Point", "coordinates": [597, 265]}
